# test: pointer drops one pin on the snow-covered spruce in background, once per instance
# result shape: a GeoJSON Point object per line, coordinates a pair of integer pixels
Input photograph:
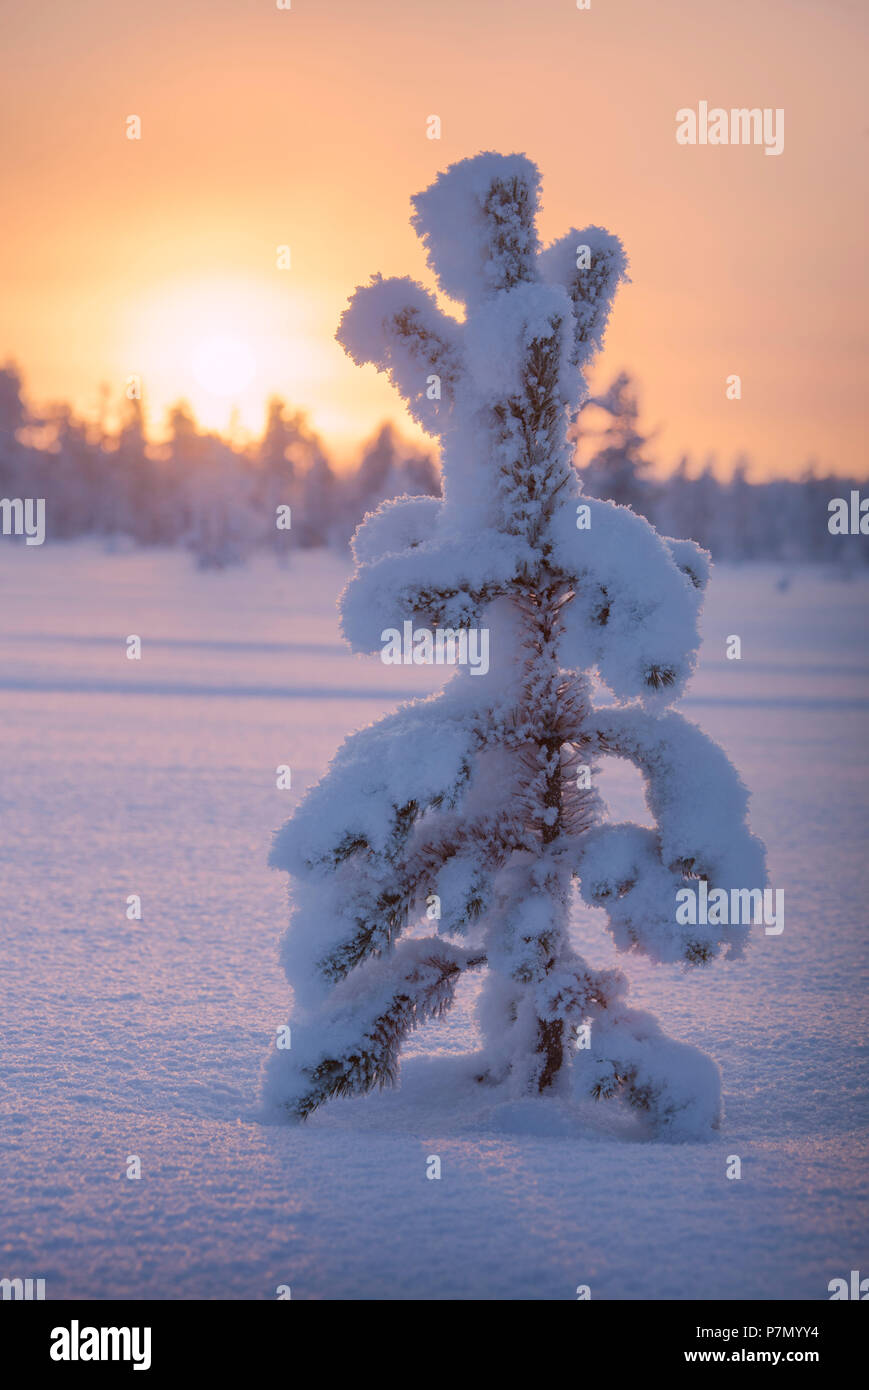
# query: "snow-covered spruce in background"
{"type": "Point", "coordinates": [474, 795]}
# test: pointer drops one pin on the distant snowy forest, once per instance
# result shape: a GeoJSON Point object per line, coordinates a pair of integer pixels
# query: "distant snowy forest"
{"type": "Point", "coordinates": [219, 500]}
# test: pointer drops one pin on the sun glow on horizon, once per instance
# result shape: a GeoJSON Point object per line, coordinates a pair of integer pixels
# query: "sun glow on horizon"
{"type": "Point", "coordinates": [223, 345]}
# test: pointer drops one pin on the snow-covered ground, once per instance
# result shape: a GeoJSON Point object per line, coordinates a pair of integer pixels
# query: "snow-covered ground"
{"type": "Point", "coordinates": [121, 1038]}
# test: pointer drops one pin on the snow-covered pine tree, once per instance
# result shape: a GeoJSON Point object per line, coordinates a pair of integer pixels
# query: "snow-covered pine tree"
{"type": "Point", "coordinates": [478, 797]}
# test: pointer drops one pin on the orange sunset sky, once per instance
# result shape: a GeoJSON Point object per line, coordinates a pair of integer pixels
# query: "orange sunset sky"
{"type": "Point", "coordinates": [264, 127]}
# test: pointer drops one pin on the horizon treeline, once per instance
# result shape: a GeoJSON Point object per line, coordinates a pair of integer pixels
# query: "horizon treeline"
{"type": "Point", "coordinates": [220, 499]}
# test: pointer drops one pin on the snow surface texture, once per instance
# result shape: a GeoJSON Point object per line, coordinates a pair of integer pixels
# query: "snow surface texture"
{"type": "Point", "coordinates": [481, 802]}
{"type": "Point", "coordinates": [123, 1037]}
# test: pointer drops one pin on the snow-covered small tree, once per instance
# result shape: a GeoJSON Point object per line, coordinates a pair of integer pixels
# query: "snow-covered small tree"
{"type": "Point", "coordinates": [482, 798]}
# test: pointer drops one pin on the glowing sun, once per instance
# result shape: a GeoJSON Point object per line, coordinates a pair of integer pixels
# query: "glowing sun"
{"type": "Point", "coordinates": [223, 365]}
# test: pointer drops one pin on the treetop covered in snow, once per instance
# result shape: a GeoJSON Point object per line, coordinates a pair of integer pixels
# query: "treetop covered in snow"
{"type": "Point", "coordinates": [634, 616]}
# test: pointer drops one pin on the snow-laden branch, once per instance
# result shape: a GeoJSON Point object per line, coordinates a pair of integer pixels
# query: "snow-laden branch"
{"type": "Point", "coordinates": [442, 582]}
{"type": "Point", "coordinates": [635, 611]}
{"type": "Point", "coordinates": [590, 264]}
{"type": "Point", "coordinates": [380, 780]}
{"type": "Point", "coordinates": [397, 325]}
{"type": "Point", "coordinates": [677, 1086]}
{"type": "Point", "coordinates": [352, 1045]}
{"type": "Point", "coordinates": [700, 806]}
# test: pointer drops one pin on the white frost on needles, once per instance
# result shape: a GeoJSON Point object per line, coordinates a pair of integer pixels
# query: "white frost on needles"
{"type": "Point", "coordinates": [471, 799]}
